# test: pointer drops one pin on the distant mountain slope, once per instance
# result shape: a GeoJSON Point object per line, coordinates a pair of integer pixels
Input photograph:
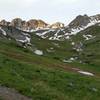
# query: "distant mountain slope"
{"type": "Point", "coordinates": [56, 31]}
{"type": "Point", "coordinates": [78, 24]}
{"type": "Point", "coordinates": [76, 46]}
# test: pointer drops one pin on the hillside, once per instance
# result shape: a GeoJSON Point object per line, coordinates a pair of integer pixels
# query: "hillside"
{"type": "Point", "coordinates": [35, 68]}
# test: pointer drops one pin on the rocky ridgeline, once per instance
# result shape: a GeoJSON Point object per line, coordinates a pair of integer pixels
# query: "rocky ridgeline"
{"type": "Point", "coordinates": [30, 25]}
{"type": "Point", "coordinates": [55, 31]}
{"type": "Point", "coordinates": [82, 21]}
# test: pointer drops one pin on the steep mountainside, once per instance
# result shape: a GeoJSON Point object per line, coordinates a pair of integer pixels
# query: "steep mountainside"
{"type": "Point", "coordinates": [78, 24]}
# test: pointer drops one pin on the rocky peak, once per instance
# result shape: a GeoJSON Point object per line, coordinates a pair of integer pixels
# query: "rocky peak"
{"type": "Point", "coordinates": [95, 17]}
{"type": "Point", "coordinates": [4, 22]}
{"type": "Point", "coordinates": [32, 24]}
{"type": "Point", "coordinates": [42, 24]}
{"type": "Point", "coordinates": [80, 21]}
{"type": "Point", "coordinates": [17, 22]}
{"type": "Point", "coordinates": [35, 24]}
{"type": "Point", "coordinates": [29, 25]}
{"type": "Point", "coordinates": [57, 25]}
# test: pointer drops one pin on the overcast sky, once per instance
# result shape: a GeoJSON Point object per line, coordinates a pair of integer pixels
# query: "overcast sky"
{"type": "Point", "coordinates": [48, 10]}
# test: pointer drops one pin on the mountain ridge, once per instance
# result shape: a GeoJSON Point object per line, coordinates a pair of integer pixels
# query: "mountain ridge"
{"type": "Point", "coordinates": [30, 25]}
{"type": "Point", "coordinates": [56, 31]}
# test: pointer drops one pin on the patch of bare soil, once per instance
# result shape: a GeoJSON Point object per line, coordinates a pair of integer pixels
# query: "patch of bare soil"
{"type": "Point", "coordinates": [11, 94]}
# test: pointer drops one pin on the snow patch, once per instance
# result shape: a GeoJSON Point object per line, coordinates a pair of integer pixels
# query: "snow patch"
{"type": "Point", "coordinates": [4, 33]}
{"type": "Point", "coordinates": [28, 39]}
{"type": "Point", "coordinates": [69, 60]}
{"type": "Point", "coordinates": [38, 52]}
{"type": "Point", "coordinates": [92, 22]}
{"type": "Point", "coordinates": [57, 33]}
{"type": "Point", "coordinates": [88, 37]}
{"type": "Point", "coordinates": [48, 50]}
{"type": "Point", "coordinates": [23, 41]}
{"type": "Point", "coordinates": [86, 73]}
{"type": "Point", "coordinates": [67, 37]}
{"type": "Point", "coordinates": [44, 33]}
{"type": "Point", "coordinates": [73, 43]}
{"type": "Point", "coordinates": [52, 48]}
{"type": "Point", "coordinates": [56, 44]}
{"type": "Point", "coordinates": [75, 31]}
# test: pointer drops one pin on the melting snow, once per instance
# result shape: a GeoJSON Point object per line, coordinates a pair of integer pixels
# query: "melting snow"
{"type": "Point", "coordinates": [50, 50]}
{"type": "Point", "coordinates": [44, 33]}
{"type": "Point", "coordinates": [69, 61]}
{"type": "Point", "coordinates": [57, 33]}
{"type": "Point", "coordinates": [75, 31]}
{"type": "Point", "coordinates": [67, 37]}
{"type": "Point", "coordinates": [4, 33]}
{"type": "Point", "coordinates": [73, 43]}
{"type": "Point", "coordinates": [88, 37]}
{"type": "Point", "coordinates": [28, 39]}
{"type": "Point", "coordinates": [38, 52]}
{"type": "Point", "coordinates": [23, 41]}
{"type": "Point", "coordinates": [92, 22]}
{"type": "Point", "coordinates": [56, 44]}
{"type": "Point", "coordinates": [86, 73]}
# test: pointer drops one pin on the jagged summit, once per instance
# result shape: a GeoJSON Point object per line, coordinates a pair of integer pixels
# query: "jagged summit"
{"type": "Point", "coordinates": [80, 21]}
{"type": "Point", "coordinates": [57, 25]}
{"type": "Point", "coordinates": [30, 25]}
{"type": "Point", "coordinates": [55, 31]}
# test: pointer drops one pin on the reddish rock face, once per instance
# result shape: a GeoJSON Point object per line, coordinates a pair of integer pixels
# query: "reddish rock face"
{"type": "Point", "coordinates": [57, 25]}
{"type": "Point", "coordinates": [36, 24]}
{"type": "Point", "coordinates": [26, 25]}
{"type": "Point", "coordinates": [42, 24]}
{"type": "Point", "coordinates": [31, 24]}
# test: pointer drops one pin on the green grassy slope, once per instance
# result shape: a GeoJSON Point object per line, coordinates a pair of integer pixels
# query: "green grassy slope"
{"type": "Point", "coordinates": [47, 77]}
{"type": "Point", "coordinates": [44, 77]}
{"type": "Point", "coordinates": [91, 49]}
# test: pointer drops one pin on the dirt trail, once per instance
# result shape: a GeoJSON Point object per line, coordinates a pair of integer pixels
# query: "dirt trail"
{"type": "Point", "coordinates": [62, 66]}
{"type": "Point", "coordinates": [11, 94]}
